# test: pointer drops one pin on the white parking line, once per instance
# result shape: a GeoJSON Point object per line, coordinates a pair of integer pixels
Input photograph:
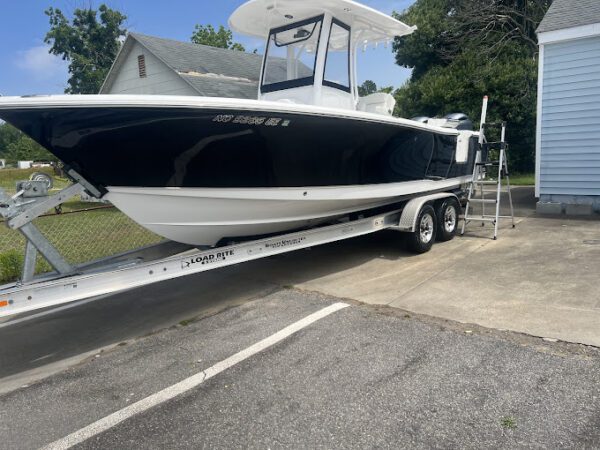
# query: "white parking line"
{"type": "Point", "coordinates": [189, 383]}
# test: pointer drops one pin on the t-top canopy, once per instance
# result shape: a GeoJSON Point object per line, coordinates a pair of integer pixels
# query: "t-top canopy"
{"type": "Point", "coordinates": [257, 17]}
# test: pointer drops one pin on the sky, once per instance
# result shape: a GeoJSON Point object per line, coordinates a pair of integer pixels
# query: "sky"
{"type": "Point", "coordinates": [27, 68]}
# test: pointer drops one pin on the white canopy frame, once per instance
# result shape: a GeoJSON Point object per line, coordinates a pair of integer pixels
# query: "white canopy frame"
{"type": "Point", "coordinates": [367, 26]}
{"type": "Point", "coordinates": [257, 17]}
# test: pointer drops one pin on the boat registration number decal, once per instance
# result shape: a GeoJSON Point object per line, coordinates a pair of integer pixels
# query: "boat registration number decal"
{"type": "Point", "coordinates": [211, 258]}
{"type": "Point", "coordinates": [252, 120]}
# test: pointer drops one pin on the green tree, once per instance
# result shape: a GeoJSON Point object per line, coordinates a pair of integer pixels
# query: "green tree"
{"type": "Point", "coordinates": [223, 38]}
{"type": "Point", "coordinates": [367, 88]}
{"type": "Point", "coordinates": [8, 135]}
{"type": "Point", "coordinates": [89, 42]}
{"type": "Point", "coordinates": [477, 48]}
{"type": "Point", "coordinates": [16, 146]}
{"type": "Point", "coordinates": [422, 50]}
{"type": "Point", "coordinates": [26, 149]}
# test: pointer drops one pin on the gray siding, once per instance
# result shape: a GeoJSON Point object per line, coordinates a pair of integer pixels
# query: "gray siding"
{"type": "Point", "coordinates": [570, 135]}
{"type": "Point", "coordinates": [160, 79]}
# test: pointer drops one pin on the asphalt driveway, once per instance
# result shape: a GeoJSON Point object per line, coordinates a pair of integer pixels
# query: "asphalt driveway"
{"type": "Point", "coordinates": [360, 377]}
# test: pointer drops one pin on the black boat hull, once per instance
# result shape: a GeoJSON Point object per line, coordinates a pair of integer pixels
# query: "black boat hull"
{"type": "Point", "coordinates": [201, 174]}
{"type": "Point", "coordinates": [211, 148]}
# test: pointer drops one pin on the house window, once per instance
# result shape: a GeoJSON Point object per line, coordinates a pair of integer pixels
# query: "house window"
{"type": "Point", "coordinates": [142, 66]}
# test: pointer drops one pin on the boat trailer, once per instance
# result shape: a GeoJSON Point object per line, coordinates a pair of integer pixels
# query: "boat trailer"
{"type": "Point", "coordinates": [69, 283]}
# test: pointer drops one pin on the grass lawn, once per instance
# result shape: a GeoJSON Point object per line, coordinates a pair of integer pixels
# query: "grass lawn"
{"type": "Point", "coordinates": [522, 179]}
{"type": "Point", "coordinates": [519, 179]}
{"type": "Point", "coordinates": [8, 178]}
{"type": "Point", "coordinates": [80, 236]}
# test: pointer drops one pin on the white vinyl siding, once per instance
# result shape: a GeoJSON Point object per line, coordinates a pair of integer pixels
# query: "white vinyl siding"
{"type": "Point", "coordinates": [159, 80]}
{"type": "Point", "coordinates": [570, 123]}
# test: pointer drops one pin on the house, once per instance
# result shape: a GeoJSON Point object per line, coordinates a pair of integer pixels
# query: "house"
{"type": "Point", "coordinates": [568, 119]}
{"type": "Point", "coordinates": [156, 66]}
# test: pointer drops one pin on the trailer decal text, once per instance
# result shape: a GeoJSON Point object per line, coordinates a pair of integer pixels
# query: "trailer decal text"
{"type": "Point", "coordinates": [207, 259]}
{"type": "Point", "coordinates": [285, 243]}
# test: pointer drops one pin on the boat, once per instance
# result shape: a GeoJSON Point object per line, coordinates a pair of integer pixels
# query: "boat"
{"type": "Point", "coordinates": [202, 170]}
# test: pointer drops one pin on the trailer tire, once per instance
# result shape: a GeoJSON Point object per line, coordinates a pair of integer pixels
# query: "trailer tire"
{"type": "Point", "coordinates": [447, 215]}
{"type": "Point", "coordinates": [421, 240]}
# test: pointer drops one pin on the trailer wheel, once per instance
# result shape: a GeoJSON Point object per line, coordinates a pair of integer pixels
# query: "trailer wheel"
{"type": "Point", "coordinates": [421, 240]}
{"type": "Point", "coordinates": [447, 215]}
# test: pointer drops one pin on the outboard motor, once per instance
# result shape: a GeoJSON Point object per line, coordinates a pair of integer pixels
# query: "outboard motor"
{"type": "Point", "coordinates": [422, 119]}
{"type": "Point", "coordinates": [458, 121]}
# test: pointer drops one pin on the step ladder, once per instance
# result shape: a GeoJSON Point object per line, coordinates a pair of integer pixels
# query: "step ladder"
{"type": "Point", "coordinates": [486, 164]}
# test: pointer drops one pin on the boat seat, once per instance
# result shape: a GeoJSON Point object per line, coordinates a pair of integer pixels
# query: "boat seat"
{"type": "Point", "coordinates": [378, 103]}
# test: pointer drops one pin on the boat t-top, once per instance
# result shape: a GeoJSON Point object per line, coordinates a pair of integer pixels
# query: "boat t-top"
{"type": "Point", "coordinates": [202, 170]}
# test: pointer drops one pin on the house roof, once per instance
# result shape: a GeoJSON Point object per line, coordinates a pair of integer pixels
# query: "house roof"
{"type": "Point", "coordinates": [188, 57]}
{"type": "Point", "coordinates": [214, 86]}
{"type": "Point", "coordinates": [212, 72]}
{"type": "Point", "coordinates": [570, 13]}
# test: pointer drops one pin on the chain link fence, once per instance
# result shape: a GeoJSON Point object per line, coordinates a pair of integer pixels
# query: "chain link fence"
{"type": "Point", "coordinates": [82, 232]}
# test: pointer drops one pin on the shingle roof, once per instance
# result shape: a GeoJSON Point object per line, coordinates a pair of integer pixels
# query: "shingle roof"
{"type": "Point", "coordinates": [212, 72]}
{"type": "Point", "coordinates": [570, 13]}
{"type": "Point", "coordinates": [216, 87]}
{"type": "Point", "coordinates": [188, 57]}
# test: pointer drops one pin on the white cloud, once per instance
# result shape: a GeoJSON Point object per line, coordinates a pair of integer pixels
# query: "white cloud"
{"type": "Point", "coordinates": [40, 64]}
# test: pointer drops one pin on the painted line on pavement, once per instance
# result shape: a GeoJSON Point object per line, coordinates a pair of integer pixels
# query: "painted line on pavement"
{"type": "Point", "coordinates": [189, 383]}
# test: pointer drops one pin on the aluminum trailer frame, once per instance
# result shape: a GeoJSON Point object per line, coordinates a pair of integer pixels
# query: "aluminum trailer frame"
{"type": "Point", "coordinates": [71, 284]}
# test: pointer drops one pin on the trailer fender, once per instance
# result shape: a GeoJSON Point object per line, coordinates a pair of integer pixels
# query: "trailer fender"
{"type": "Point", "coordinates": [408, 218]}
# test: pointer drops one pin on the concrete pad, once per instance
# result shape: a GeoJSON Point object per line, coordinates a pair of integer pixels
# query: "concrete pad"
{"type": "Point", "coordinates": [540, 278]}
{"type": "Point", "coordinates": [543, 281]}
{"type": "Point", "coordinates": [382, 279]}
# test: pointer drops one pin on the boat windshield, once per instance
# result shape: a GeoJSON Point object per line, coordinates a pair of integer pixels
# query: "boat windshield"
{"type": "Point", "coordinates": [337, 64]}
{"type": "Point", "coordinates": [292, 55]}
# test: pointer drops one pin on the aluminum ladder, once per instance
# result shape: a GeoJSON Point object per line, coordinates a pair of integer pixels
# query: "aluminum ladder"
{"type": "Point", "coordinates": [484, 165]}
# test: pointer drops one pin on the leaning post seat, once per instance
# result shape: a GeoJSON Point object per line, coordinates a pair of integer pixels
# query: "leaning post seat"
{"type": "Point", "coordinates": [378, 103]}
